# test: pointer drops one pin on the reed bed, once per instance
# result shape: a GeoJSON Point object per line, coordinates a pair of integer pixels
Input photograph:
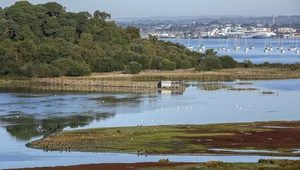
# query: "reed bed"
{"type": "Point", "coordinates": [147, 80]}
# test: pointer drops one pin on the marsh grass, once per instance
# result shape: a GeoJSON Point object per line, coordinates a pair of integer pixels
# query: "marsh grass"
{"type": "Point", "coordinates": [213, 86]}
{"type": "Point", "coordinates": [268, 92]}
{"type": "Point", "coordinates": [218, 86]}
{"type": "Point", "coordinates": [242, 89]}
{"type": "Point", "coordinates": [244, 83]}
{"type": "Point", "coordinates": [178, 139]}
{"type": "Point", "coordinates": [147, 80]}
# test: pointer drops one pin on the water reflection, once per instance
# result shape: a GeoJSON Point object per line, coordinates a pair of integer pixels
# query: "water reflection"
{"type": "Point", "coordinates": [25, 127]}
{"type": "Point", "coordinates": [171, 92]}
{"type": "Point", "coordinates": [114, 101]}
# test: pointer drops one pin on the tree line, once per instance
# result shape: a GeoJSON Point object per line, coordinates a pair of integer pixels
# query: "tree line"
{"type": "Point", "coordinates": [46, 41]}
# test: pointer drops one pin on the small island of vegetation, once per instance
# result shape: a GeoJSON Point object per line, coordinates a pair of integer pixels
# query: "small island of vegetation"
{"type": "Point", "coordinates": [258, 138]}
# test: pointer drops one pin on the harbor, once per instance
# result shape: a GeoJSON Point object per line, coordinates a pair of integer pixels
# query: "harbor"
{"type": "Point", "coordinates": [249, 49]}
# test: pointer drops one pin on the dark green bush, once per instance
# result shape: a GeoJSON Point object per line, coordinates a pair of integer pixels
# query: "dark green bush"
{"type": "Point", "coordinates": [210, 63]}
{"type": "Point", "coordinates": [166, 64]}
{"type": "Point", "coordinates": [70, 67]}
{"type": "Point", "coordinates": [40, 70]}
{"type": "Point", "coordinates": [228, 62]}
{"type": "Point", "coordinates": [133, 68]}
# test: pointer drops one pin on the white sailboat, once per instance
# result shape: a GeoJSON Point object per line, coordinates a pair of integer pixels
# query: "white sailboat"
{"type": "Point", "coordinates": [280, 44]}
{"type": "Point", "coordinates": [270, 45]}
{"type": "Point", "coordinates": [292, 46]}
{"type": "Point", "coordinates": [282, 49]}
{"type": "Point", "coordinates": [223, 48]}
{"type": "Point", "coordinates": [227, 49]}
{"type": "Point", "coordinates": [236, 44]}
{"type": "Point", "coordinates": [252, 46]}
{"type": "Point", "coordinates": [266, 47]}
{"type": "Point", "coordinates": [189, 46]}
{"type": "Point", "coordinates": [201, 46]}
{"type": "Point", "coordinates": [219, 49]}
{"type": "Point", "coordinates": [297, 49]}
{"type": "Point", "coordinates": [246, 48]}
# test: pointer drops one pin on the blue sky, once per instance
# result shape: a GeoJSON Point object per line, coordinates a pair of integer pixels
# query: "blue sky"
{"type": "Point", "coordinates": [167, 8]}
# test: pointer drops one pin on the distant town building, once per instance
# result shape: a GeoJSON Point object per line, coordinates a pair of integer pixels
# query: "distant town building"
{"type": "Point", "coordinates": [286, 30]}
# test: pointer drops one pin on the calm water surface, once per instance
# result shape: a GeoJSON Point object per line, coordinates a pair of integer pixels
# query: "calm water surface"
{"type": "Point", "coordinates": [25, 115]}
{"type": "Point", "coordinates": [256, 55]}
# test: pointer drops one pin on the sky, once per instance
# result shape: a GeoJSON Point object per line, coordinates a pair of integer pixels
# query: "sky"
{"type": "Point", "coordinates": [174, 8]}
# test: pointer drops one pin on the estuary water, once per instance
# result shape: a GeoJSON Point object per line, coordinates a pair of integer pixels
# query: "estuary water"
{"type": "Point", "coordinates": [257, 55]}
{"type": "Point", "coordinates": [26, 114]}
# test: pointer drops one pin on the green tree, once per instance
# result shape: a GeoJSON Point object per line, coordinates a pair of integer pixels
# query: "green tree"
{"type": "Point", "coordinates": [228, 62]}
{"type": "Point", "coordinates": [155, 62]}
{"type": "Point", "coordinates": [101, 15]}
{"type": "Point", "coordinates": [184, 64]}
{"type": "Point", "coordinates": [51, 27]}
{"type": "Point", "coordinates": [68, 33]}
{"type": "Point", "coordinates": [248, 64]}
{"type": "Point", "coordinates": [210, 63]}
{"type": "Point", "coordinates": [133, 33]}
{"type": "Point", "coordinates": [167, 65]}
{"type": "Point", "coordinates": [47, 53]}
{"type": "Point", "coordinates": [53, 9]}
{"type": "Point", "coordinates": [70, 67]}
{"type": "Point", "coordinates": [9, 28]}
{"type": "Point", "coordinates": [133, 68]}
{"type": "Point", "coordinates": [67, 43]}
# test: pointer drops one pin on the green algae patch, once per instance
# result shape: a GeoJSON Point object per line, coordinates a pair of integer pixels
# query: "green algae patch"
{"type": "Point", "coordinates": [258, 138]}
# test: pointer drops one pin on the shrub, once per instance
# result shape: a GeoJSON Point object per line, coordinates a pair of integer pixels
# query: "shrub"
{"type": "Point", "coordinates": [108, 65]}
{"type": "Point", "coordinates": [164, 161]}
{"type": "Point", "coordinates": [40, 70]}
{"type": "Point", "coordinates": [133, 68]}
{"type": "Point", "coordinates": [70, 67]}
{"type": "Point", "coordinates": [209, 63]}
{"type": "Point", "coordinates": [215, 164]}
{"type": "Point", "coordinates": [155, 62]}
{"type": "Point", "coordinates": [166, 64]}
{"type": "Point", "coordinates": [228, 62]}
{"type": "Point", "coordinates": [184, 64]}
{"type": "Point", "coordinates": [248, 64]}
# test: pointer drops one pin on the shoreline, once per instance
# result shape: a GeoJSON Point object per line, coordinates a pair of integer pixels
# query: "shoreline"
{"type": "Point", "coordinates": [146, 81]}
{"type": "Point", "coordinates": [134, 140]}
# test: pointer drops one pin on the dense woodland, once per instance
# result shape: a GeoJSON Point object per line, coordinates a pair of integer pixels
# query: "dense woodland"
{"type": "Point", "coordinates": [46, 41]}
